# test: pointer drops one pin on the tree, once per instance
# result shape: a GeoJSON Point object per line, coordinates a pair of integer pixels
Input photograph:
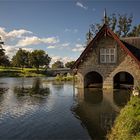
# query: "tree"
{"type": "Point", "coordinates": [120, 24]}
{"type": "Point", "coordinates": [4, 61]}
{"type": "Point", "coordinates": [89, 36]}
{"type": "Point", "coordinates": [69, 64]}
{"type": "Point", "coordinates": [39, 58]}
{"type": "Point", "coordinates": [57, 64]}
{"type": "Point", "coordinates": [135, 31]}
{"type": "Point", "coordinates": [21, 58]}
{"type": "Point", "coordinates": [124, 25]}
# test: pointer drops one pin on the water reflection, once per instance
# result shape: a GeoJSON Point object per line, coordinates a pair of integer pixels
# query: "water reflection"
{"type": "Point", "coordinates": [36, 89]}
{"type": "Point", "coordinates": [30, 117]}
{"type": "Point", "coordinates": [121, 97]}
{"type": "Point", "coordinates": [97, 109]}
{"type": "Point", "coordinates": [93, 96]}
{"type": "Point", "coordinates": [58, 85]}
{"type": "Point", "coordinates": [24, 102]}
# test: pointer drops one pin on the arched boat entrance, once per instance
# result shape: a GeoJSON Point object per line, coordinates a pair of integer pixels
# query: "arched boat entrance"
{"type": "Point", "coordinates": [123, 80]}
{"type": "Point", "coordinates": [93, 80]}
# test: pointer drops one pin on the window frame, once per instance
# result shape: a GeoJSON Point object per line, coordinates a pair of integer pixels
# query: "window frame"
{"type": "Point", "coordinates": [106, 55]}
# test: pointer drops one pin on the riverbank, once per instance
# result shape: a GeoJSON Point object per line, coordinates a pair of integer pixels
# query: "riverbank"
{"type": "Point", "coordinates": [32, 72]}
{"type": "Point", "coordinates": [127, 124]}
{"type": "Point", "coordinates": [18, 72]}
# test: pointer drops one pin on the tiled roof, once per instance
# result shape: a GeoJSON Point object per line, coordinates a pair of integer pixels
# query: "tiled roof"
{"type": "Point", "coordinates": [134, 49]}
{"type": "Point", "coordinates": [134, 41]}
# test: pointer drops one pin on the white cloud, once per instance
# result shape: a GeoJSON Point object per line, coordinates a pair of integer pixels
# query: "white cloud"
{"type": "Point", "coordinates": [11, 50]}
{"type": "Point", "coordinates": [51, 47]}
{"type": "Point", "coordinates": [13, 34]}
{"type": "Point", "coordinates": [79, 4]}
{"type": "Point", "coordinates": [36, 40]}
{"type": "Point", "coordinates": [50, 40]}
{"type": "Point", "coordinates": [59, 58]}
{"type": "Point", "coordinates": [78, 48]}
{"type": "Point", "coordinates": [18, 33]}
{"type": "Point", "coordinates": [29, 41]}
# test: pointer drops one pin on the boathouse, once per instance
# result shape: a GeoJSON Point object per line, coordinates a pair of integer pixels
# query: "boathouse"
{"type": "Point", "coordinates": [109, 61]}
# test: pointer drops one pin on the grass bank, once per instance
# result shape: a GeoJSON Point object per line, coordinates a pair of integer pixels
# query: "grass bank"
{"type": "Point", "coordinates": [18, 72]}
{"type": "Point", "coordinates": [65, 78]}
{"type": "Point", "coordinates": [127, 124]}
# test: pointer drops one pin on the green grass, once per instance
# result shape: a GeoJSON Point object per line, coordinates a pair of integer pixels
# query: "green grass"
{"type": "Point", "coordinates": [127, 124]}
{"type": "Point", "coordinates": [64, 78]}
{"type": "Point", "coordinates": [18, 72]}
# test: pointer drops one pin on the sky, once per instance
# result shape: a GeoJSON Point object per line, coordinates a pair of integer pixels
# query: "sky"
{"type": "Point", "coordinates": [58, 27]}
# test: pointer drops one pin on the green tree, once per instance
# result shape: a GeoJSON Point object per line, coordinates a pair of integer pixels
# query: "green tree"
{"type": "Point", "coordinates": [57, 64]}
{"type": "Point", "coordinates": [135, 31]}
{"type": "Point", "coordinates": [120, 24]}
{"type": "Point", "coordinates": [69, 64]}
{"type": "Point", "coordinates": [4, 61]}
{"type": "Point", "coordinates": [39, 58]}
{"type": "Point", "coordinates": [21, 58]}
{"type": "Point", "coordinates": [124, 25]}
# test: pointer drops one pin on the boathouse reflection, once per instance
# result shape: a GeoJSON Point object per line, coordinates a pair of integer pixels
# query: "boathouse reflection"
{"type": "Point", "coordinates": [97, 109]}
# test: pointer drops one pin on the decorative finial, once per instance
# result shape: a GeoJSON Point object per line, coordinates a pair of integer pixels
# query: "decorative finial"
{"type": "Point", "coordinates": [105, 17]}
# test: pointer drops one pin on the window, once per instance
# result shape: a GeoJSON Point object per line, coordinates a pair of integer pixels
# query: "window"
{"type": "Point", "coordinates": [107, 55]}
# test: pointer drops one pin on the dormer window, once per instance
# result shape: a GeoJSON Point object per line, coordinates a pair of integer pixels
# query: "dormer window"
{"type": "Point", "coordinates": [107, 55]}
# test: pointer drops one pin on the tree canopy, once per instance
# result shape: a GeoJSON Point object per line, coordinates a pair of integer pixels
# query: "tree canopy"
{"type": "Point", "coordinates": [69, 64]}
{"type": "Point", "coordinates": [4, 61]}
{"type": "Point", "coordinates": [121, 24]}
{"type": "Point", "coordinates": [39, 58]}
{"type": "Point", "coordinates": [57, 64]}
{"type": "Point", "coordinates": [21, 58]}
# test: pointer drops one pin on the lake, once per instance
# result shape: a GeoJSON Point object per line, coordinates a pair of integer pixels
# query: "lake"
{"type": "Point", "coordinates": [65, 113]}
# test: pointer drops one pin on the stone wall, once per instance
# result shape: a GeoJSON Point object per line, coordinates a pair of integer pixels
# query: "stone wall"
{"type": "Point", "coordinates": [92, 63]}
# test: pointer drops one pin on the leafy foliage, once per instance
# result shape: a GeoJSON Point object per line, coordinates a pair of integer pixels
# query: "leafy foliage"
{"type": "Point", "coordinates": [39, 58]}
{"type": "Point", "coordinates": [57, 64]}
{"type": "Point", "coordinates": [121, 24]}
{"type": "Point", "coordinates": [69, 64]}
{"type": "Point", "coordinates": [4, 61]}
{"type": "Point", "coordinates": [21, 58]}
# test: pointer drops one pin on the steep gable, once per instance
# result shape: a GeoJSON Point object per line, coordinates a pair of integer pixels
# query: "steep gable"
{"type": "Point", "coordinates": [105, 31]}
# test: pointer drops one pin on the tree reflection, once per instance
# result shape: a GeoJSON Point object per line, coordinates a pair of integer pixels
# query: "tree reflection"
{"type": "Point", "coordinates": [36, 89]}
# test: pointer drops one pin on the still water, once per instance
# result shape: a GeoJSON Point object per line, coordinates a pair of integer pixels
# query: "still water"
{"type": "Point", "coordinates": [65, 113]}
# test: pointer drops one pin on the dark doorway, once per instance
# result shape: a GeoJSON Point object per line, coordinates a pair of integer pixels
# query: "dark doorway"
{"type": "Point", "coordinates": [123, 80]}
{"type": "Point", "coordinates": [93, 80]}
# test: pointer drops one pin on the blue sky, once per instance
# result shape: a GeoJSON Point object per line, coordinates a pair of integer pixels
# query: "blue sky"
{"type": "Point", "coordinates": [56, 26]}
